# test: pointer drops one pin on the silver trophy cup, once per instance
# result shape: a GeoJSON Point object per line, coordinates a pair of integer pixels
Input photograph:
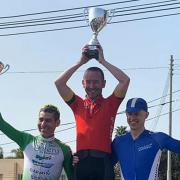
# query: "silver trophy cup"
{"type": "Point", "coordinates": [3, 68]}
{"type": "Point", "coordinates": [97, 19]}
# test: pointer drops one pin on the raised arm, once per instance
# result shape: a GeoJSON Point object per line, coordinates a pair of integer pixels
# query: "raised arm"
{"type": "Point", "coordinates": [61, 83]}
{"type": "Point", "coordinates": [121, 88]}
{"type": "Point", "coordinates": [21, 138]}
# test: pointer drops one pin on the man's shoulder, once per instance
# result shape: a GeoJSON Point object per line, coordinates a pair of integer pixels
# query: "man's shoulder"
{"type": "Point", "coordinates": [62, 144]}
{"type": "Point", "coordinates": [159, 137]}
{"type": "Point", "coordinates": [122, 137]}
{"type": "Point", "coordinates": [113, 100]}
{"type": "Point", "coordinates": [157, 134]}
{"type": "Point", "coordinates": [75, 99]}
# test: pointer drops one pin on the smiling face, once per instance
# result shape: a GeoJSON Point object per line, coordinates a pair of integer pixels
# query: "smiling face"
{"type": "Point", "coordinates": [47, 124]}
{"type": "Point", "coordinates": [136, 120]}
{"type": "Point", "coordinates": [93, 83]}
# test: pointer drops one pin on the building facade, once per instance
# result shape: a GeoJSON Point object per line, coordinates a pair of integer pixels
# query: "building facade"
{"type": "Point", "coordinates": [12, 169]}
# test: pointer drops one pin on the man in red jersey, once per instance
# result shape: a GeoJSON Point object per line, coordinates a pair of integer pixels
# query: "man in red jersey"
{"type": "Point", "coordinates": [94, 115]}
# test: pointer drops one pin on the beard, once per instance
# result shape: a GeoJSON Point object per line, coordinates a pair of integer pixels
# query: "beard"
{"type": "Point", "coordinates": [93, 93]}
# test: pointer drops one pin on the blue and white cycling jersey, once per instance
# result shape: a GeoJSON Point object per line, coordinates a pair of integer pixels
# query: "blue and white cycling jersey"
{"type": "Point", "coordinates": [139, 159]}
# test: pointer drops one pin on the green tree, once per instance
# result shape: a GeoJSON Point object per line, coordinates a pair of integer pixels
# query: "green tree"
{"type": "Point", "coordinates": [119, 131]}
{"type": "Point", "coordinates": [175, 166]}
{"type": "Point", "coordinates": [1, 153]}
{"type": "Point", "coordinates": [18, 153]}
{"type": "Point", "coordinates": [163, 166]}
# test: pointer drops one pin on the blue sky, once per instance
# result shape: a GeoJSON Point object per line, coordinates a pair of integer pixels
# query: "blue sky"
{"type": "Point", "coordinates": [141, 48]}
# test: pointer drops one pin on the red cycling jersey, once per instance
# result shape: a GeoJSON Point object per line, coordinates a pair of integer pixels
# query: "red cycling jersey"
{"type": "Point", "coordinates": [95, 122]}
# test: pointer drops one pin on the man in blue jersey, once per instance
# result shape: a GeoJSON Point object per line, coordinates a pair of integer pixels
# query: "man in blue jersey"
{"type": "Point", "coordinates": [138, 151]}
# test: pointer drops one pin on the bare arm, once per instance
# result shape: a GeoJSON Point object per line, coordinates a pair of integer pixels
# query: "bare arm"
{"type": "Point", "coordinates": [61, 83]}
{"type": "Point", "coordinates": [121, 88]}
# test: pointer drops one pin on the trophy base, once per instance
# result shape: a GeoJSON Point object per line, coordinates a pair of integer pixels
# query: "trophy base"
{"type": "Point", "coordinates": [92, 52]}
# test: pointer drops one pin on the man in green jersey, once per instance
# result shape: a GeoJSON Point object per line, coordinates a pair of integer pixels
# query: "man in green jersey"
{"type": "Point", "coordinates": [44, 155]}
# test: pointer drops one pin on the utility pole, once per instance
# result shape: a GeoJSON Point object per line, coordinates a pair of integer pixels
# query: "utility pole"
{"type": "Point", "coordinates": [169, 176]}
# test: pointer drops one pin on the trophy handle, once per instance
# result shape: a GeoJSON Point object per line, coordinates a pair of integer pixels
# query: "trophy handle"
{"type": "Point", "coordinates": [110, 14]}
{"type": "Point", "coordinates": [86, 11]}
{"type": "Point", "coordinates": [6, 68]}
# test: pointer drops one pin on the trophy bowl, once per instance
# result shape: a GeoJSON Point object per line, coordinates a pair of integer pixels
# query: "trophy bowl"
{"type": "Point", "coordinates": [3, 68]}
{"type": "Point", "coordinates": [97, 19]}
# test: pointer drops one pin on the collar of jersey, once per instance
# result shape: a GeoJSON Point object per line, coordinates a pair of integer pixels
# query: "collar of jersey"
{"type": "Point", "coordinates": [98, 100]}
{"type": "Point", "coordinates": [47, 139]}
{"type": "Point", "coordinates": [141, 135]}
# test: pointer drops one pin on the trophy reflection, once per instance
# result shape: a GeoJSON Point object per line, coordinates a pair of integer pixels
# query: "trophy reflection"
{"type": "Point", "coordinates": [97, 19]}
{"type": "Point", "coordinates": [3, 68]}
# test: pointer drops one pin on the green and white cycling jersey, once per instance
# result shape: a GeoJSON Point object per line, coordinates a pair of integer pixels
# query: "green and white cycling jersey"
{"type": "Point", "coordinates": [43, 158]}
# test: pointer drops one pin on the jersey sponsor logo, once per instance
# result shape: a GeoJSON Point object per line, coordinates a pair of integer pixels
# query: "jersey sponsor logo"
{"type": "Point", "coordinates": [34, 177]}
{"type": "Point", "coordinates": [39, 175]}
{"type": "Point", "coordinates": [45, 165]}
{"type": "Point", "coordinates": [43, 157]}
{"type": "Point", "coordinates": [38, 172]}
{"type": "Point", "coordinates": [145, 147]}
{"type": "Point", "coordinates": [46, 148]}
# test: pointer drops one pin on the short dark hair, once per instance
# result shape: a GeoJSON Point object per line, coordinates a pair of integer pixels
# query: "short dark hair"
{"type": "Point", "coordinates": [51, 109]}
{"type": "Point", "coordinates": [95, 69]}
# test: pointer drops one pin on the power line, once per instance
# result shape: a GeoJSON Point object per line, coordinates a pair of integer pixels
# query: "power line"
{"type": "Point", "coordinates": [52, 18]}
{"type": "Point", "coordinates": [164, 96]}
{"type": "Point", "coordinates": [147, 4]}
{"type": "Point", "coordinates": [161, 104]}
{"type": "Point", "coordinates": [33, 129]}
{"type": "Point", "coordinates": [150, 11]}
{"type": "Point", "coordinates": [122, 112]}
{"type": "Point", "coordinates": [83, 26]}
{"type": "Point", "coordinates": [41, 31]}
{"type": "Point", "coordinates": [117, 114]}
{"type": "Point", "coordinates": [65, 129]}
{"type": "Point", "coordinates": [75, 27]}
{"type": "Point", "coordinates": [74, 127]}
{"type": "Point", "coordinates": [60, 71]}
{"type": "Point", "coordinates": [162, 115]}
{"type": "Point", "coordinates": [54, 133]}
{"type": "Point", "coordinates": [143, 18]}
{"type": "Point", "coordinates": [77, 15]}
{"type": "Point", "coordinates": [141, 8]}
{"type": "Point", "coordinates": [41, 24]}
{"type": "Point", "coordinates": [69, 9]}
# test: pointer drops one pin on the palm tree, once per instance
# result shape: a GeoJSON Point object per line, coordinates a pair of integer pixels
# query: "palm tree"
{"type": "Point", "coordinates": [120, 130]}
{"type": "Point", "coordinates": [18, 153]}
{"type": "Point", "coordinates": [1, 153]}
